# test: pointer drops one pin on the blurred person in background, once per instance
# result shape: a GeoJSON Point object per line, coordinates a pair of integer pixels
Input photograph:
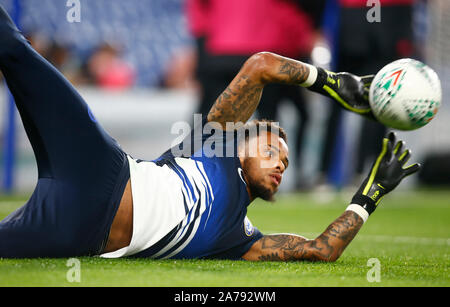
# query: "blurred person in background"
{"type": "Point", "coordinates": [228, 32]}
{"type": "Point", "coordinates": [180, 71]}
{"type": "Point", "coordinates": [108, 70]}
{"type": "Point", "coordinates": [366, 41]}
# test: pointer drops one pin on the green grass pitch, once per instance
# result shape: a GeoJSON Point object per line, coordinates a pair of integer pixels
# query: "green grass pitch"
{"type": "Point", "coordinates": [409, 236]}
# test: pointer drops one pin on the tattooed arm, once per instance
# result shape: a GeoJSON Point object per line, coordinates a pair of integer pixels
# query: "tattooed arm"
{"type": "Point", "coordinates": [386, 173]}
{"type": "Point", "coordinates": [326, 247]}
{"type": "Point", "coordinates": [239, 100]}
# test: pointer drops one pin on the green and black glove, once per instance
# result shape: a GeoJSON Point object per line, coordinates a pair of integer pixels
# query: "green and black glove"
{"type": "Point", "coordinates": [386, 173]}
{"type": "Point", "coordinates": [350, 91]}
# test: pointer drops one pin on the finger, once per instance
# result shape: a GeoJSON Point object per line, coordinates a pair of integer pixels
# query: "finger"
{"type": "Point", "coordinates": [376, 165]}
{"type": "Point", "coordinates": [404, 157]}
{"type": "Point", "coordinates": [412, 169]}
{"type": "Point", "coordinates": [398, 148]}
{"type": "Point", "coordinates": [386, 149]}
{"type": "Point", "coordinates": [366, 91]}
{"type": "Point", "coordinates": [367, 80]}
{"type": "Point", "coordinates": [388, 146]}
{"type": "Point", "coordinates": [392, 137]}
{"type": "Point", "coordinates": [366, 94]}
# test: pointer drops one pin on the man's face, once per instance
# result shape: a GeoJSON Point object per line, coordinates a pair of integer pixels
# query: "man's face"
{"type": "Point", "coordinates": [263, 164]}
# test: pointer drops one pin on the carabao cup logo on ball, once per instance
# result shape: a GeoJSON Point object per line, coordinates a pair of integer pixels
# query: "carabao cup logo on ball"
{"type": "Point", "coordinates": [405, 94]}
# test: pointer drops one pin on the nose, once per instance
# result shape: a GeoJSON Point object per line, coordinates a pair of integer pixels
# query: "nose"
{"type": "Point", "coordinates": [280, 166]}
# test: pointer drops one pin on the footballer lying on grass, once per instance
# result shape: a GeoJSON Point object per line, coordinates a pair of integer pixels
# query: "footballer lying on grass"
{"type": "Point", "coordinates": [92, 198]}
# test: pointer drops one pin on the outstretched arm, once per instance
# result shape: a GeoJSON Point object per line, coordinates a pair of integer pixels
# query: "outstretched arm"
{"type": "Point", "coordinates": [326, 247]}
{"type": "Point", "coordinates": [240, 99]}
{"type": "Point", "coordinates": [387, 172]}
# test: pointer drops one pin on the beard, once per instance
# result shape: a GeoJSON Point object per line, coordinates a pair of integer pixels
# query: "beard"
{"type": "Point", "coordinates": [257, 189]}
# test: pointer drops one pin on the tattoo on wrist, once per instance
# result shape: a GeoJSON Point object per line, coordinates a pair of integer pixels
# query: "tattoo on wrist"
{"type": "Point", "coordinates": [296, 72]}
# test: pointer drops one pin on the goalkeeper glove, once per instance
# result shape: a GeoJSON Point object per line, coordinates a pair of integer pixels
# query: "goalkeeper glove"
{"type": "Point", "coordinates": [386, 173]}
{"type": "Point", "coordinates": [350, 91]}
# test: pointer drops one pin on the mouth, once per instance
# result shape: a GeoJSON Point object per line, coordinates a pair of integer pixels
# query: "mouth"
{"type": "Point", "coordinates": [276, 178]}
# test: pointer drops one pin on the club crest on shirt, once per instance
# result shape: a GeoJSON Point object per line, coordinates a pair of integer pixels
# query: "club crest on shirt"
{"type": "Point", "coordinates": [248, 227]}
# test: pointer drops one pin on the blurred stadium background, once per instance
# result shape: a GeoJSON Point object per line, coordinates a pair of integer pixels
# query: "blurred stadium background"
{"type": "Point", "coordinates": [135, 63]}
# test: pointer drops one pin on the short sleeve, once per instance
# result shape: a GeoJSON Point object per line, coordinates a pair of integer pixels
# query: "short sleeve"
{"type": "Point", "coordinates": [243, 240]}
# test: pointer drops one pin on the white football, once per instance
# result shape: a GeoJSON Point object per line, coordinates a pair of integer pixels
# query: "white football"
{"type": "Point", "coordinates": [405, 94]}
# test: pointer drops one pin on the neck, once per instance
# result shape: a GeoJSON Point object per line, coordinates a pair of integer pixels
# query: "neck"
{"type": "Point", "coordinates": [250, 194]}
{"type": "Point", "coordinates": [247, 186]}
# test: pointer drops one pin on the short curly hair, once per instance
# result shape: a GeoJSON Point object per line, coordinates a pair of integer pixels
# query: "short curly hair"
{"type": "Point", "coordinates": [264, 125]}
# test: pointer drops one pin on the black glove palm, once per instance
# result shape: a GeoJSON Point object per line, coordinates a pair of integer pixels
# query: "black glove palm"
{"type": "Point", "coordinates": [350, 91]}
{"type": "Point", "coordinates": [386, 173]}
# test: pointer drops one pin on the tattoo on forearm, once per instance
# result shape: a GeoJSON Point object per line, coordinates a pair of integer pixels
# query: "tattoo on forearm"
{"type": "Point", "coordinates": [237, 102]}
{"type": "Point", "coordinates": [328, 246]}
{"type": "Point", "coordinates": [292, 72]}
{"type": "Point", "coordinates": [240, 99]}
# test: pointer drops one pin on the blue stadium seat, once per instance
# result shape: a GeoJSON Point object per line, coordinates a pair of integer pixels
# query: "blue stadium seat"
{"type": "Point", "coordinates": [149, 31]}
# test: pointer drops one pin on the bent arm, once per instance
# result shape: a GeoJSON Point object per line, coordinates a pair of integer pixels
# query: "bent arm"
{"type": "Point", "coordinates": [240, 99]}
{"type": "Point", "coordinates": [326, 247]}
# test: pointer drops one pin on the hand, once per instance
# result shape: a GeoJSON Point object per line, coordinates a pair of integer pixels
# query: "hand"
{"type": "Point", "coordinates": [386, 173]}
{"type": "Point", "coordinates": [350, 91]}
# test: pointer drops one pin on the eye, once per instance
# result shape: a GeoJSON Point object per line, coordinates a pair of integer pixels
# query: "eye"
{"type": "Point", "coordinates": [270, 153]}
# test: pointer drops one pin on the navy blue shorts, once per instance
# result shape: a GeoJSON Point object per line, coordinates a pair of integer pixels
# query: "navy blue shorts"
{"type": "Point", "coordinates": [82, 171]}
